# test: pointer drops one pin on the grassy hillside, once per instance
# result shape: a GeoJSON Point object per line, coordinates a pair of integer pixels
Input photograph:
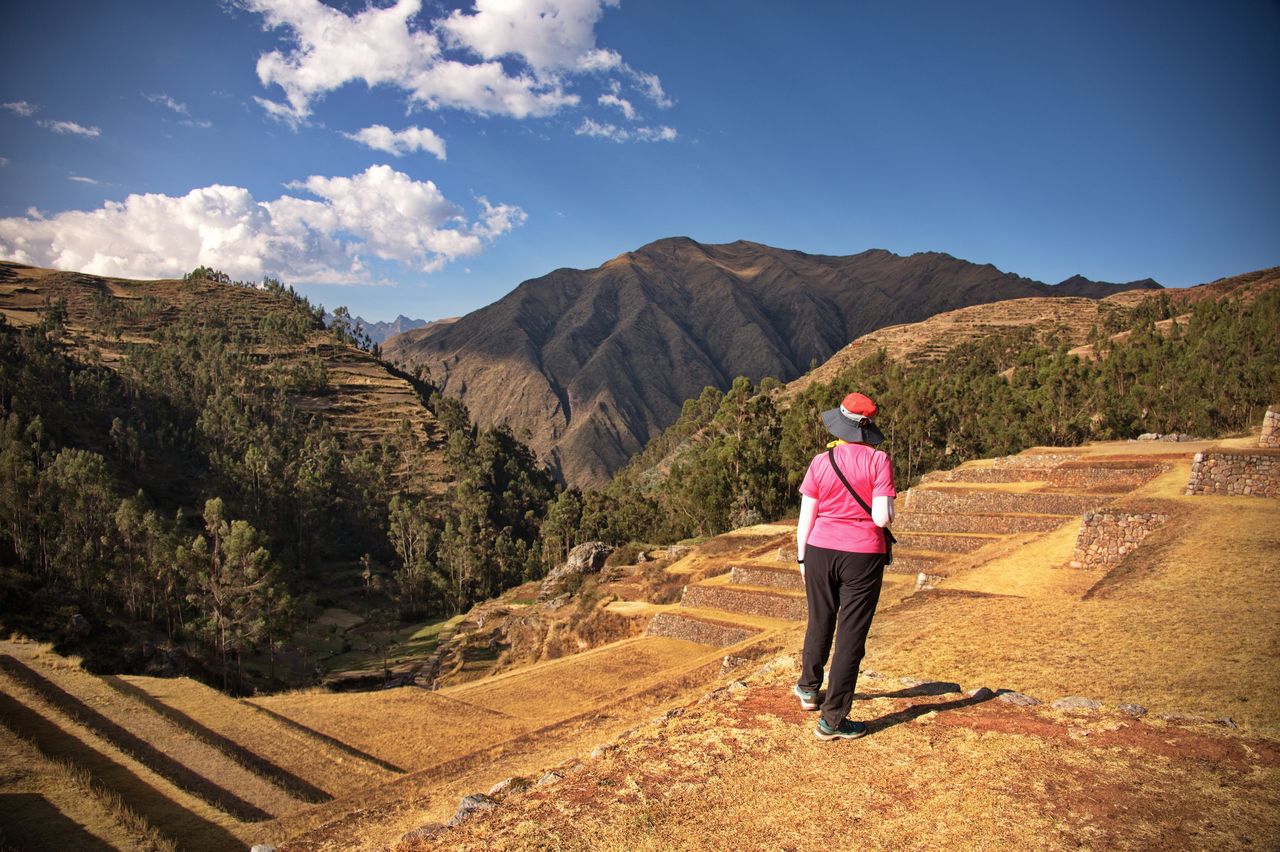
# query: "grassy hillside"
{"type": "Point", "coordinates": [200, 463]}
{"type": "Point", "coordinates": [1177, 646]}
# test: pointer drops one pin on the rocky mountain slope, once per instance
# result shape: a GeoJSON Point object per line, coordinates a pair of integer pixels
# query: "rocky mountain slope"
{"type": "Point", "coordinates": [596, 362]}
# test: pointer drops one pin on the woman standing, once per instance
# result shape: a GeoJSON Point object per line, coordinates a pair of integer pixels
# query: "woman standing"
{"type": "Point", "coordinates": [841, 549]}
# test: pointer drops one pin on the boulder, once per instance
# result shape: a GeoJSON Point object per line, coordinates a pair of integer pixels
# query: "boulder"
{"type": "Point", "coordinates": [509, 786]}
{"type": "Point", "coordinates": [586, 558]}
{"type": "Point", "coordinates": [1075, 702]}
{"type": "Point", "coordinates": [472, 805]}
{"type": "Point", "coordinates": [1017, 698]}
{"type": "Point", "coordinates": [549, 777]}
{"type": "Point", "coordinates": [1134, 710]}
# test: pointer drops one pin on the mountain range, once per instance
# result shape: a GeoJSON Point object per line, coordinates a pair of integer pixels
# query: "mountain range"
{"type": "Point", "coordinates": [588, 365]}
{"type": "Point", "coordinates": [379, 331]}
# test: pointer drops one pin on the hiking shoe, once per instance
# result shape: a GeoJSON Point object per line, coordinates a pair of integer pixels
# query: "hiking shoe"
{"type": "Point", "coordinates": [846, 730]}
{"type": "Point", "coordinates": [808, 697]}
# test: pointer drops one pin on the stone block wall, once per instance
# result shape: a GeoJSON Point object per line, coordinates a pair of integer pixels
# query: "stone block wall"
{"type": "Point", "coordinates": [1271, 428]}
{"type": "Point", "coordinates": [991, 501]}
{"type": "Point", "coordinates": [1109, 535]}
{"type": "Point", "coordinates": [1098, 476]}
{"type": "Point", "coordinates": [675, 626]}
{"type": "Point", "coordinates": [1041, 460]}
{"type": "Point", "coordinates": [1233, 473]}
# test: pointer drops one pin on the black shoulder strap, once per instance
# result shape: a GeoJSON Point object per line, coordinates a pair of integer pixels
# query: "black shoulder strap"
{"type": "Point", "coordinates": [831, 453]}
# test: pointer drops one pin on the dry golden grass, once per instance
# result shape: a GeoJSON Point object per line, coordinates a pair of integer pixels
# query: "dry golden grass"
{"type": "Point", "coordinates": [1070, 320]}
{"type": "Point", "coordinates": [1189, 623]}
{"type": "Point", "coordinates": [565, 687]}
{"type": "Point", "coordinates": [310, 760]}
{"type": "Point", "coordinates": [172, 750]}
{"type": "Point", "coordinates": [409, 728]}
{"type": "Point", "coordinates": [746, 773]}
{"type": "Point", "coordinates": [56, 805]}
{"type": "Point", "coordinates": [172, 812]}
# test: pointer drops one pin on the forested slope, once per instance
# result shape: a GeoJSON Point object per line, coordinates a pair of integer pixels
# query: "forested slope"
{"type": "Point", "coordinates": [195, 463]}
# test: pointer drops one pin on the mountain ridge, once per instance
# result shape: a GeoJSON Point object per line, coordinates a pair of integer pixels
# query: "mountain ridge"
{"type": "Point", "coordinates": [593, 363]}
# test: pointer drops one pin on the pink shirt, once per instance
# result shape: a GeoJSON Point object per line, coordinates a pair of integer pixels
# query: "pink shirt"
{"type": "Point", "coordinates": [841, 524]}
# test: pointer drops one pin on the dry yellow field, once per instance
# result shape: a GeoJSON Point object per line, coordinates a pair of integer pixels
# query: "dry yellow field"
{"type": "Point", "coordinates": [938, 772]}
{"type": "Point", "coordinates": [407, 728]}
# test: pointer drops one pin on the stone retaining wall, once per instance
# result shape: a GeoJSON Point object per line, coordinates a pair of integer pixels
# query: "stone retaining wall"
{"type": "Point", "coordinates": [1226, 472]}
{"type": "Point", "coordinates": [1271, 428]}
{"type": "Point", "coordinates": [780, 605]}
{"type": "Point", "coordinates": [675, 626]}
{"type": "Point", "coordinates": [940, 542]}
{"type": "Point", "coordinates": [963, 522]}
{"type": "Point", "coordinates": [1126, 478]}
{"type": "Point", "coordinates": [989, 474]}
{"type": "Point", "coordinates": [1109, 535]}
{"type": "Point", "coordinates": [994, 502]}
{"type": "Point", "coordinates": [750, 575]}
{"type": "Point", "coordinates": [1041, 460]}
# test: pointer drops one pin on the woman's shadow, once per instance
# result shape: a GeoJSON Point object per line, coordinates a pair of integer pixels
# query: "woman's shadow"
{"type": "Point", "coordinates": [915, 711]}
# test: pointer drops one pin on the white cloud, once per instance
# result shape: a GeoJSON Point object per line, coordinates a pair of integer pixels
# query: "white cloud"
{"type": "Point", "coordinates": [599, 60]}
{"type": "Point", "coordinates": [379, 137]}
{"type": "Point", "coordinates": [621, 103]}
{"type": "Point", "coordinates": [4, 161]}
{"type": "Point", "coordinates": [22, 108]}
{"type": "Point", "coordinates": [326, 237]}
{"type": "Point", "coordinates": [70, 127]}
{"type": "Point", "coordinates": [181, 109]}
{"type": "Point", "coordinates": [651, 86]}
{"type": "Point", "coordinates": [613, 132]}
{"type": "Point", "coordinates": [82, 179]}
{"type": "Point", "coordinates": [510, 57]}
{"type": "Point", "coordinates": [550, 35]}
{"type": "Point", "coordinates": [169, 103]}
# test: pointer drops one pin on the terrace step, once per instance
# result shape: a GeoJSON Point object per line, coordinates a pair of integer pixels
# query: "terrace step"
{"type": "Point", "coordinates": [950, 500]}
{"type": "Point", "coordinates": [942, 542]}
{"type": "Point", "coordinates": [978, 522]}
{"type": "Point", "coordinates": [915, 562]}
{"type": "Point", "coordinates": [989, 475]}
{"type": "Point", "coordinates": [674, 624]}
{"type": "Point", "coordinates": [752, 600]}
{"type": "Point", "coordinates": [135, 729]}
{"type": "Point", "coordinates": [62, 738]}
{"type": "Point", "coordinates": [780, 577]}
{"type": "Point", "coordinates": [314, 767]}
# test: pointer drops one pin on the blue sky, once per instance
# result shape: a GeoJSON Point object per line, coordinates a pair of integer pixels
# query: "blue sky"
{"type": "Point", "coordinates": [425, 158]}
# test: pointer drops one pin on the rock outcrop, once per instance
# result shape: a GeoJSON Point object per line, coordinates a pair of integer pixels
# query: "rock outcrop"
{"type": "Point", "coordinates": [586, 558]}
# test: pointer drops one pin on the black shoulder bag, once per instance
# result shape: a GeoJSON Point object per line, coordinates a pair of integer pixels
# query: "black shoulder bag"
{"type": "Point", "coordinates": [888, 534]}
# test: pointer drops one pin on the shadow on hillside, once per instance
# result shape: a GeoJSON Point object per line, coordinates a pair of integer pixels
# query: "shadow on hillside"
{"type": "Point", "coordinates": [924, 690]}
{"type": "Point", "coordinates": [252, 761]}
{"type": "Point", "coordinates": [127, 741]}
{"type": "Point", "coordinates": [336, 743]}
{"type": "Point", "coordinates": [30, 821]}
{"type": "Point", "coordinates": [163, 813]}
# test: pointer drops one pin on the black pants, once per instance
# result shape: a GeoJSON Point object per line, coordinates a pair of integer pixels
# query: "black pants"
{"type": "Point", "coordinates": [846, 585]}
